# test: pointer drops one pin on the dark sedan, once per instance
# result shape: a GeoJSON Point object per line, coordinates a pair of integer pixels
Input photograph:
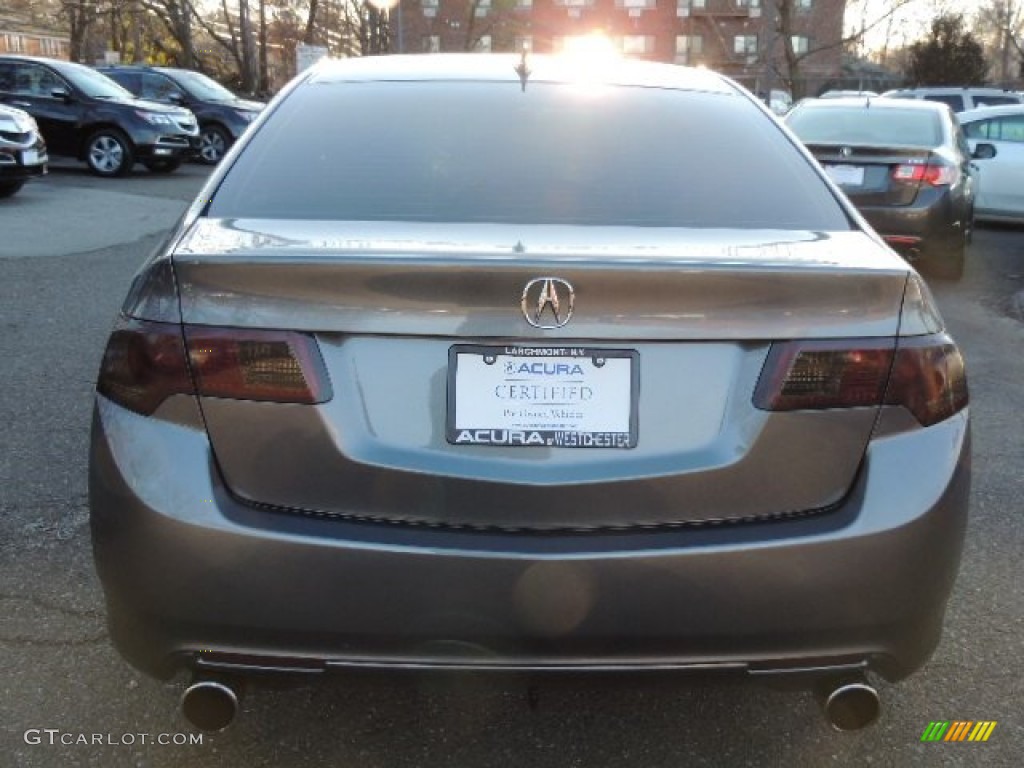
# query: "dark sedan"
{"type": "Point", "coordinates": [905, 165]}
{"type": "Point", "coordinates": [87, 116]}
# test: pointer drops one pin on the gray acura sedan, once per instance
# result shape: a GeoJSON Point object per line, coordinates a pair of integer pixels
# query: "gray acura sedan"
{"type": "Point", "coordinates": [496, 363]}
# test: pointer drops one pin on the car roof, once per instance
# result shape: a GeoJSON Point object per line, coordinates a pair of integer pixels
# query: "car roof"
{"type": "Point", "coordinates": [610, 70]}
{"type": "Point", "coordinates": [875, 102]}
{"type": "Point", "coordinates": [954, 89]}
{"type": "Point", "coordinates": [1001, 110]}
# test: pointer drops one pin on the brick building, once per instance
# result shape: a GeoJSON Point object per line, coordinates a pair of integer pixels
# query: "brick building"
{"type": "Point", "coordinates": [730, 36]}
{"type": "Point", "coordinates": [19, 35]}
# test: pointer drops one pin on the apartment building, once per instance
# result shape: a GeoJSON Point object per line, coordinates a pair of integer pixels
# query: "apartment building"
{"type": "Point", "coordinates": [730, 36]}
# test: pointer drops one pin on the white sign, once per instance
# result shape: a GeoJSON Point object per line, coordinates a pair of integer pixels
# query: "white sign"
{"type": "Point", "coordinates": [308, 55]}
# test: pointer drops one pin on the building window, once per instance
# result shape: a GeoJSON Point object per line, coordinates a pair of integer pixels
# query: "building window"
{"type": "Point", "coordinates": [637, 45]}
{"type": "Point", "coordinates": [481, 9]}
{"type": "Point", "coordinates": [689, 46]}
{"type": "Point", "coordinates": [745, 45]}
{"type": "Point", "coordinates": [748, 3]}
{"type": "Point", "coordinates": [14, 43]}
{"type": "Point", "coordinates": [524, 3]}
{"type": "Point", "coordinates": [575, 3]}
{"type": "Point", "coordinates": [637, 5]}
{"type": "Point", "coordinates": [803, 5]}
{"type": "Point", "coordinates": [483, 45]}
{"type": "Point", "coordinates": [801, 44]}
{"type": "Point", "coordinates": [523, 43]}
{"type": "Point", "coordinates": [431, 43]}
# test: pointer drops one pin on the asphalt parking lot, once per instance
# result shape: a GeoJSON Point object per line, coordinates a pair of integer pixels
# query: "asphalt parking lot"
{"type": "Point", "coordinates": [69, 245]}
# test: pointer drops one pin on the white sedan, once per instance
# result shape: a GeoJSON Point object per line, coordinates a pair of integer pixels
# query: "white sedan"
{"type": "Point", "coordinates": [1001, 177]}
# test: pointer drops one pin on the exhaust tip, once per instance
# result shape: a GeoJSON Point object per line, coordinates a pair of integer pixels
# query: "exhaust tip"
{"type": "Point", "coordinates": [852, 706]}
{"type": "Point", "coordinates": [209, 705]}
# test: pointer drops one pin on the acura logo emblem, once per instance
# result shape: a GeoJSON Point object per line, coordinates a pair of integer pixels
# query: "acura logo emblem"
{"type": "Point", "coordinates": [548, 302]}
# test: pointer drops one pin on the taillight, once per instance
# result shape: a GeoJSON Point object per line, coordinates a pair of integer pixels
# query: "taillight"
{"type": "Point", "coordinates": [145, 363]}
{"type": "Point", "coordinates": [927, 376]}
{"type": "Point", "coordinates": [280, 366]}
{"type": "Point", "coordinates": [820, 374]}
{"type": "Point", "coordinates": [935, 175]}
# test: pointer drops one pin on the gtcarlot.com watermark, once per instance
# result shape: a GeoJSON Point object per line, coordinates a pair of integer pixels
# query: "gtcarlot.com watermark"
{"type": "Point", "coordinates": [57, 737]}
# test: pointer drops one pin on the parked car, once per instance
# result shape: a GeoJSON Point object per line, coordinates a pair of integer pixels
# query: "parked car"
{"type": "Point", "coordinates": [222, 115]}
{"type": "Point", "coordinates": [485, 387]}
{"type": "Point", "coordinates": [22, 150]}
{"type": "Point", "coordinates": [1001, 175]}
{"type": "Point", "coordinates": [959, 99]}
{"type": "Point", "coordinates": [86, 115]}
{"type": "Point", "coordinates": [905, 165]}
{"type": "Point", "coordinates": [845, 94]}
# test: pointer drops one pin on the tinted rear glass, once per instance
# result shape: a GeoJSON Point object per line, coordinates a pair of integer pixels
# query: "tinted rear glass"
{"type": "Point", "coordinates": [554, 154]}
{"type": "Point", "coordinates": [866, 125]}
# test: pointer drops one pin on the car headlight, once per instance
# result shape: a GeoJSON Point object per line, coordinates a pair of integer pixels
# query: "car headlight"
{"type": "Point", "coordinates": [155, 118]}
{"type": "Point", "coordinates": [26, 123]}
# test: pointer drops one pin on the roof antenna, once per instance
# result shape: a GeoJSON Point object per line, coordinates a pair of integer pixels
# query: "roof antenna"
{"type": "Point", "coordinates": [523, 69]}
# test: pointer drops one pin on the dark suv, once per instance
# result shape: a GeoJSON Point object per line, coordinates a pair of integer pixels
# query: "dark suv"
{"type": "Point", "coordinates": [222, 115]}
{"type": "Point", "coordinates": [86, 115]}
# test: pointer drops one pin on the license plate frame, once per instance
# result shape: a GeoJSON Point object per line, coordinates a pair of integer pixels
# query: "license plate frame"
{"type": "Point", "coordinates": [846, 175]}
{"type": "Point", "coordinates": [573, 396]}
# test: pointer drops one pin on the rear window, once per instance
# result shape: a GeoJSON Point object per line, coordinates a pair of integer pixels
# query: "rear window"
{"type": "Point", "coordinates": [994, 101]}
{"type": "Point", "coordinates": [554, 154]}
{"type": "Point", "coordinates": [956, 103]}
{"type": "Point", "coordinates": [867, 125]}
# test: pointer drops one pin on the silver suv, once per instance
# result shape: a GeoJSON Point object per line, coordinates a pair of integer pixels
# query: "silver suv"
{"type": "Point", "coordinates": [959, 98]}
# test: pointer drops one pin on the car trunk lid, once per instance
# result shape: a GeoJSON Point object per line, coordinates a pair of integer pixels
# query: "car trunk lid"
{"type": "Point", "coordinates": [389, 305]}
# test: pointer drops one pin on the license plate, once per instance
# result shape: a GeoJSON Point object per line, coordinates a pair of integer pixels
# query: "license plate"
{"type": "Point", "coordinates": [559, 397]}
{"type": "Point", "coordinates": [30, 157]}
{"type": "Point", "coordinates": [846, 175]}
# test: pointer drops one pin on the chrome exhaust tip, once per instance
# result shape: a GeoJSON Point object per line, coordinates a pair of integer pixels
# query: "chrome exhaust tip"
{"type": "Point", "coordinates": [210, 705]}
{"type": "Point", "coordinates": [852, 705]}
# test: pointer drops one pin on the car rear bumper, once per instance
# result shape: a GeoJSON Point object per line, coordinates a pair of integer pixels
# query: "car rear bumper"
{"type": "Point", "coordinates": [935, 219]}
{"type": "Point", "coordinates": [194, 578]}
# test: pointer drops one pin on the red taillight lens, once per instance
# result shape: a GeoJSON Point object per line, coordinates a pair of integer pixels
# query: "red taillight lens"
{"type": "Point", "coordinates": [928, 378]}
{"type": "Point", "coordinates": [145, 363]}
{"type": "Point", "coordinates": [936, 175]}
{"type": "Point", "coordinates": [280, 366]}
{"type": "Point", "coordinates": [814, 375]}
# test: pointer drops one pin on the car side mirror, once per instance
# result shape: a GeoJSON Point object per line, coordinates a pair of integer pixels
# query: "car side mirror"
{"type": "Point", "coordinates": [176, 98]}
{"type": "Point", "coordinates": [984, 151]}
{"type": "Point", "coordinates": [61, 93]}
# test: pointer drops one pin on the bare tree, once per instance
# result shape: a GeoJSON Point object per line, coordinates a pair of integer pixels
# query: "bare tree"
{"type": "Point", "coordinates": [789, 69]}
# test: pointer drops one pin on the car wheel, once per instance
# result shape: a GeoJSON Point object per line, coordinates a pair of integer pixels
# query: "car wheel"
{"type": "Point", "coordinates": [109, 153]}
{"type": "Point", "coordinates": [213, 143]}
{"type": "Point", "coordinates": [163, 165]}
{"type": "Point", "coordinates": [8, 188]}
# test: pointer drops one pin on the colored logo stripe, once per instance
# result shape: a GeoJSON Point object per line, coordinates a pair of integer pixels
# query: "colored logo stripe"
{"type": "Point", "coordinates": [982, 731]}
{"type": "Point", "coordinates": [958, 730]}
{"type": "Point", "coordinates": [935, 731]}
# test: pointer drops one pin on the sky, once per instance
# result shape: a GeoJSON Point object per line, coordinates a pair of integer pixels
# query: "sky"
{"type": "Point", "coordinates": [910, 23]}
